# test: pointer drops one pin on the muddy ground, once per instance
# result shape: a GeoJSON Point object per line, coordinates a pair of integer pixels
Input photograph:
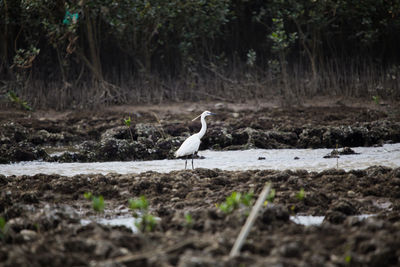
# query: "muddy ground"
{"type": "Point", "coordinates": [43, 214]}
{"type": "Point", "coordinates": [157, 131]}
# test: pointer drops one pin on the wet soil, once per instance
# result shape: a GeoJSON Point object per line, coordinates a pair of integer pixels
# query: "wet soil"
{"type": "Point", "coordinates": [43, 214]}
{"type": "Point", "coordinates": [157, 131]}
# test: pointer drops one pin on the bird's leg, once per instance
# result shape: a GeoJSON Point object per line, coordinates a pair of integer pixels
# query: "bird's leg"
{"type": "Point", "coordinates": [192, 161]}
{"type": "Point", "coordinates": [186, 161]}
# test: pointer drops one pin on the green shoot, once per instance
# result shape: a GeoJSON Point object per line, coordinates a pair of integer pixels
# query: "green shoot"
{"type": "Point", "coordinates": [301, 194]}
{"type": "Point", "coordinates": [231, 203]}
{"type": "Point", "coordinates": [97, 201]}
{"type": "Point", "coordinates": [270, 197]}
{"type": "Point", "coordinates": [88, 195]}
{"type": "Point", "coordinates": [12, 96]}
{"type": "Point", "coordinates": [234, 201]}
{"type": "Point", "coordinates": [139, 204]}
{"type": "Point", "coordinates": [247, 199]}
{"type": "Point", "coordinates": [147, 223]}
{"type": "Point", "coordinates": [128, 124]}
{"type": "Point", "coordinates": [188, 220]}
{"type": "Point", "coordinates": [347, 259]}
{"type": "Point", "coordinates": [3, 228]}
{"type": "Point", "coordinates": [128, 121]}
{"type": "Point", "coordinates": [140, 207]}
{"type": "Point", "coordinates": [376, 99]}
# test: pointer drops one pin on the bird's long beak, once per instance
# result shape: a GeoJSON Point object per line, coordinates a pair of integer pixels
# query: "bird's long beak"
{"type": "Point", "coordinates": [196, 118]}
{"type": "Point", "coordinates": [200, 116]}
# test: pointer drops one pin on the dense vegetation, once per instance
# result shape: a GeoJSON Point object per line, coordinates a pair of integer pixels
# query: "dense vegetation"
{"type": "Point", "coordinates": [74, 53]}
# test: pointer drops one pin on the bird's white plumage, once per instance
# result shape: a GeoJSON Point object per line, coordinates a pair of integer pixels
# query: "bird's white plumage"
{"type": "Point", "coordinates": [191, 145]}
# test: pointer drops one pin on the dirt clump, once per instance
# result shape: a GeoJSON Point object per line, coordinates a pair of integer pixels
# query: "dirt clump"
{"type": "Point", "coordinates": [45, 214]}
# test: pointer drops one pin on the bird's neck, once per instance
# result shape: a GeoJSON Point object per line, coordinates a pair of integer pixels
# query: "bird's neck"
{"type": "Point", "coordinates": [203, 127]}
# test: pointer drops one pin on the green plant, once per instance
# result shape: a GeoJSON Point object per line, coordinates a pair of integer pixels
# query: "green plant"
{"type": "Point", "coordinates": [247, 199]}
{"type": "Point", "coordinates": [3, 228]}
{"type": "Point", "coordinates": [128, 121]}
{"type": "Point", "coordinates": [347, 259]}
{"type": "Point", "coordinates": [145, 221]}
{"type": "Point", "coordinates": [97, 201]}
{"type": "Point", "coordinates": [234, 201]}
{"type": "Point", "coordinates": [376, 99]}
{"type": "Point", "coordinates": [270, 197]}
{"type": "Point", "coordinates": [301, 194]}
{"type": "Point", "coordinates": [128, 124]}
{"type": "Point", "coordinates": [12, 96]}
{"type": "Point", "coordinates": [139, 204]}
{"type": "Point", "coordinates": [88, 195]}
{"type": "Point", "coordinates": [188, 220]}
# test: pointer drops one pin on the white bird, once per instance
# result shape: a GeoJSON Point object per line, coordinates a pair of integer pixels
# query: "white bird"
{"type": "Point", "coordinates": [192, 143]}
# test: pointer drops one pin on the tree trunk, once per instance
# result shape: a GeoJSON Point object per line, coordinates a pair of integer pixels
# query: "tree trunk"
{"type": "Point", "coordinates": [4, 40]}
{"type": "Point", "coordinates": [93, 49]}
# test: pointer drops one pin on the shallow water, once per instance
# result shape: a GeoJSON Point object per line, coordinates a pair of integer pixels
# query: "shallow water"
{"type": "Point", "coordinates": [277, 159]}
{"type": "Point", "coordinates": [128, 222]}
{"type": "Point", "coordinates": [308, 220]}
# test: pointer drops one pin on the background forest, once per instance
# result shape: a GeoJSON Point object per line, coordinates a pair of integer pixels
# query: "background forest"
{"type": "Point", "coordinates": [80, 53]}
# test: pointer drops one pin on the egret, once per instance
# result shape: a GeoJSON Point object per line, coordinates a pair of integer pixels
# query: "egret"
{"type": "Point", "coordinates": [192, 143]}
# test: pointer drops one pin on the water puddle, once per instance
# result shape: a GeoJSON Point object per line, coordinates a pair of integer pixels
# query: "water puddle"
{"type": "Point", "coordinates": [277, 159]}
{"type": "Point", "coordinates": [128, 222]}
{"type": "Point", "coordinates": [308, 220]}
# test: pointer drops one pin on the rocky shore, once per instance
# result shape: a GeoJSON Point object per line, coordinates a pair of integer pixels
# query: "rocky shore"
{"type": "Point", "coordinates": [102, 135]}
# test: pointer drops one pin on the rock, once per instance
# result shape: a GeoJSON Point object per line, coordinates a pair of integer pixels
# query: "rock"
{"type": "Point", "coordinates": [22, 151]}
{"type": "Point", "coordinates": [103, 248]}
{"type": "Point", "coordinates": [165, 148]}
{"type": "Point", "coordinates": [28, 235]}
{"type": "Point", "coordinates": [119, 132]}
{"type": "Point", "coordinates": [235, 115]}
{"type": "Point", "coordinates": [347, 151]}
{"type": "Point", "coordinates": [291, 250]}
{"type": "Point", "coordinates": [190, 260]}
{"type": "Point", "coordinates": [175, 129]}
{"type": "Point", "coordinates": [335, 217]}
{"type": "Point", "coordinates": [333, 154]}
{"type": "Point", "coordinates": [175, 199]}
{"type": "Point", "coordinates": [217, 137]}
{"type": "Point", "coordinates": [273, 213]}
{"type": "Point", "coordinates": [220, 105]}
{"type": "Point", "coordinates": [344, 207]}
{"type": "Point", "coordinates": [149, 131]}
{"type": "Point", "coordinates": [240, 137]}
{"type": "Point", "coordinates": [351, 193]}
{"type": "Point", "coordinates": [374, 224]}
{"type": "Point", "coordinates": [311, 137]}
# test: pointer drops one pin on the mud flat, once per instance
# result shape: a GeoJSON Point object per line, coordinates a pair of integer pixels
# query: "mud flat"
{"type": "Point", "coordinates": [44, 215]}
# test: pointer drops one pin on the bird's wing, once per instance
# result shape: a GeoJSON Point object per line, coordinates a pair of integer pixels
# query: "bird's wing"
{"type": "Point", "coordinates": [189, 147]}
